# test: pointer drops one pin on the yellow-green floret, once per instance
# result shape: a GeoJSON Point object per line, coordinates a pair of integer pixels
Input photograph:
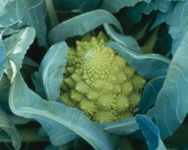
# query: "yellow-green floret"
{"type": "Point", "coordinates": [100, 82]}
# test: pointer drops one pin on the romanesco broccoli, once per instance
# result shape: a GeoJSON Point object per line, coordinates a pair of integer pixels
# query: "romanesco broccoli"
{"type": "Point", "coordinates": [100, 82]}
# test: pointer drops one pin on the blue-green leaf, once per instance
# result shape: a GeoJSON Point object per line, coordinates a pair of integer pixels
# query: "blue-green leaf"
{"type": "Point", "coordinates": [151, 90]}
{"type": "Point", "coordinates": [26, 12]}
{"type": "Point", "coordinates": [177, 20]}
{"type": "Point", "coordinates": [171, 106]}
{"type": "Point", "coordinates": [8, 15]}
{"type": "Point", "coordinates": [8, 127]}
{"type": "Point", "coordinates": [24, 102]}
{"type": "Point", "coordinates": [52, 68]}
{"type": "Point", "coordinates": [38, 84]}
{"type": "Point", "coordinates": [16, 47]}
{"type": "Point", "coordinates": [4, 89]}
{"type": "Point", "coordinates": [82, 24]}
{"type": "Point", "coordinates": [58, 134]}
{"type": "Point", "coordinates": [115, 6]}
{"type": "Point", "coordinates": [123, 127]}
{"type": "Point", "coordinates": [159, 5]}
{"type": "Point", "coordinates": [127, 41]}
{"type": "Point", "coordinates": [140, 122]}
{"type": "Point", "coordinates": [2, 56]}
{"type": "Point", "coordinates": [34, 15]}
{"type": "Point", "coordinates": [148, 65]}
{"type": "Point", "coordinates": [150, 132]}
{"type": "Point", "coordinates": [76, 5]}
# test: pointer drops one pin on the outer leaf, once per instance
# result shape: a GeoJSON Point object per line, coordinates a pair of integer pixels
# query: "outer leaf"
{"type": "Point", "coordinates": [140, 122]}
{"type": "Point", "coordinates": [115, 6]}
{"type": "Point", "coordinates": [177, 20]}
{"type": "Point", "coordinates": [16, 48]}
{"type": "Point", "coordinates": [26, 103]}
{"type": "Point", "coordinates": [171, 105]}
{"type": "Point", "coordinates": [148, 65]}
{"type": "Point", "coordinates": [76, 5]}
{"type": "Point", "coordinates": [127, 41]}
{"type": "Point", "coordinates": [38, 84]}
{"type": "Point", "coordinates": [2, 6]}
{"type": "Point", "coordinates": [26, 12]}
{"type": "Point", "coordinates": [4, 89]}
{"type": "Point", "coordinates": [34, 15]}
{"type": "Point", "coordinates": [8, 15]}
{"type": "Point", "coordinates": [150, 132]}
{"type": "Point", "coordinates": [59, 135]}
{"type": "Point", "coordinates": [159, 5]}
{"type": "Point", "coordinates": [52, 68]}
{"type": "Point", "coordinates": [151, 90]}
{"type": "Point", "coordinates": [123, 127]}
{"type": "Point", "coordinates": [2, 56]}
{"type": "Point", "coordinates": [146, 8]}
{"type": "Point", "coordinates": [28, 135]}
{"type": "Point", "coordinates": [8, 126]}
{"type": "Point", "coordinates": [82, 24]}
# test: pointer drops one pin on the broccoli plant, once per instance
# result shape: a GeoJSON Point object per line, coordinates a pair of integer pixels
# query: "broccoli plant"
{"type": "Point", "coordinates": [99, 82]}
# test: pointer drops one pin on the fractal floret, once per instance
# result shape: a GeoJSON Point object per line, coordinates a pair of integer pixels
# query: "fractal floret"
{"type": "Point", "coordinates": [99, 82]}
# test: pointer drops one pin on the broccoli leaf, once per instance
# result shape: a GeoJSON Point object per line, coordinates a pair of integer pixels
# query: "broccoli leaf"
{"type": "Point", "coordinates": [140, 122]}
{"type": "Point", "coordinates": [123, 127]}
{"type": "Point", "coordinates": [4, 90]}
{"type": "Point", "coordinates": [34, 15]}
{"type": "Point", "coordinates": [59, 135]}
{"type": "Point", "coordinates": [115, 6]}
{"type": "Point", "coordinates": [82, 24]}
{"type": "Point", "coordinates": [150, 132]}
{"type": "Point", "coordinates": [8, 127]}
{"type": "Point", "coordinates": [127, 41]}
{"type": "Point", "coordinates": [18, 13]}
{"type": "Point", "coordinates": [150, 93]}
{"type": "Point", "coordinates": [76, 5]}
{"type": "Point", "coordinates": [52, 68]}
{"type": "Point", "coordinates": [16, 47]}
{"type": "Point", "coordinates": [171, 106]}
{"type": "Point", "coordinates": [24, 102]}
{"type": "Point", "coordinates": [148, 65]}
{"type": "Point", "coordinates": [177, 20]}
{"type": "Point", "coordinates": [2, 56]}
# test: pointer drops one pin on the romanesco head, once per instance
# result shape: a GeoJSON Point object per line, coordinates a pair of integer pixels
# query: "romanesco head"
{"type": "Point", "coordinates": [100, 82]}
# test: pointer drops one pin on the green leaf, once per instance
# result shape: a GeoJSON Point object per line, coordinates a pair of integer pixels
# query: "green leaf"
{"type": "Point", "coordinates": [82, 24]}
{"type": "Point", "coordinates": [148, 65]}
{"type": "Point", "coordinates": [26, 12]}
{"type": "Point", "coordinates": [38, 84]}
{"type": "Point", "coordinates": [123, 127]}
{"type": "Point", "coordinates": [8, 127]}
{"type": "Point", "coordinates": [24, 102]}
{"type": "Point", "coordinates": [126, 41]}
{"type": "Point", "coordinates": [177, 20]}
{"type": "Point", "coordinates": [59, 135]}
{"type": "Point", "coordinates": [34, 15]}
{"type": "Point", "coordinates": [16, 48]}
{"type": "Point", "coordinates": [115, 6]}
{"type": "Point", "coordinates": [151, 90]}
{"type": "Point", "coordinates": [150, 132]}
{"type": "Point", "coordinates": [139, 123]}
{"type": "Point", "coordinates": [159, 5]}
{"type": "Point", "coordinates": [8, 15]}
{"type": "Point", "coordinates": [171, 108]}
{"type": "Point", "coordinates": [76, 5]}
{"type": "Point", "coordinates": [2, 56]}
{"type": "Point", "coordinates": [4, 89]}
{"type": "Point", "coordinates": [52, 68]}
